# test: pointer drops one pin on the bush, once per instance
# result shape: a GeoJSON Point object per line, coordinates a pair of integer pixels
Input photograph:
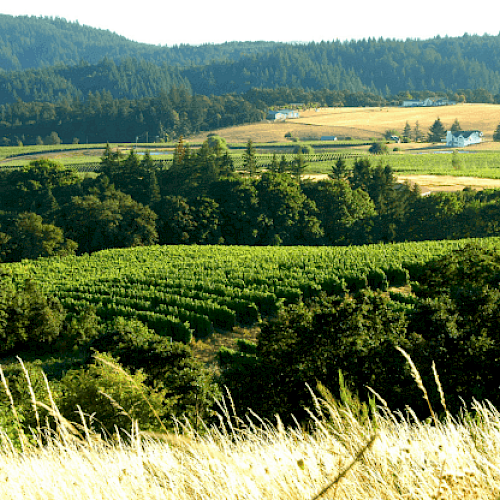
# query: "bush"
{"type": "Point", "coordinates": [378, 148]}
{"type": "Point", "coordinates": [111, 397]}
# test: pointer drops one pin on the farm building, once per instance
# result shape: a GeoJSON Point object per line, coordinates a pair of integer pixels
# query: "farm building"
{"type": "Point", "coordinates": [426, 103]}
{"type": "Point", "coordinates": [282, 114]}
{"type": "Point", "coordinates": [463, 138]}
{"type": "Point", "coordinates": [328, 138]}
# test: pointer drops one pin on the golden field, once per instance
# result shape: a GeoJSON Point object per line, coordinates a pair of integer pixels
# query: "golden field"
{"type": "Point", "coordinates": [406, 459]}
{"type": "Point", "coordinates": [366, 123]}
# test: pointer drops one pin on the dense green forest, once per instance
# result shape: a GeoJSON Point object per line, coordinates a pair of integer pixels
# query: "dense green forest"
{"type": "Point", "coordinates": [48, 209]}
{"type": "Point", "coordinates": [384, 67]}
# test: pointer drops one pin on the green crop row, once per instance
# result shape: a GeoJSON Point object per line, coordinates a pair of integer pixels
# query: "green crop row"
{"type": "Point", "coordinates": [182, 291]}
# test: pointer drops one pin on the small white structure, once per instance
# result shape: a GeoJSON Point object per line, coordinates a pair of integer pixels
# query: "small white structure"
{"type": "Point", "coordinates": [427, 103]}
{"type": "Point", "coordinates": [463, 138]}
{"type": "Point", "coordinates": [282, 114]}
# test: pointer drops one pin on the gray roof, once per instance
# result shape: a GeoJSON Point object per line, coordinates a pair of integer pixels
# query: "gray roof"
{"type": "Point", "coordinates": [465, 133]}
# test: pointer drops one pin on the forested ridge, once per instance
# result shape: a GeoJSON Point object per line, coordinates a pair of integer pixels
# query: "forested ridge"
{"type": "Point", "coordinates": [382, 66]}
{"type": "Point", "coordinates": [89, 85]}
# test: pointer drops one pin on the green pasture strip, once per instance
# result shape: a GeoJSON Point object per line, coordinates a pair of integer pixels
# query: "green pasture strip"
{"type": "Point", "coordinates": [472, 164]}
{"type": "Point", "coordinates": [189, 290]}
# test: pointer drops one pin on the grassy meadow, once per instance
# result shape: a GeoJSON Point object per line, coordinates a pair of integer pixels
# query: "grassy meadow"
{"type": "Point", "coordinates": [343, 456]}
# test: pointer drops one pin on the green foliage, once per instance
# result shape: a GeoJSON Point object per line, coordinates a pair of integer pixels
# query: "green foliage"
{"type": "Point", "coordinates": [407, 132]}
{"type": "Point", "coordinates": [344, 213]}
{"type": "Point", "coordinates": [29, 238]}
{"type": "Point", "coordinates": [339, 169]}
{"type": "Point", "coordinates": [379, 148]}
{"type": "Point", "coordinates": [249, 160]}
{"type": "Point", "coordinates": [112, 219]}
{"type": "Point", "coordinates": [28, 320]}
{"type": "Point", "coordinates": [472, 267]}
{"type": "Point", "coordinates": [303, 148]}
{"type": "Point", "coordinates": [456, 163]}
{"type": "Point", "coordinates": [496, 134]}
{"type": "Point", "coordinates": [25, 383]}
{"type": "Point", "coordinates": [169, 368]}
{"type": "Point", "coordinates": [286, 215]}
{"type": "Point", "coordinates": [436, 131]}
{"type": "Point", "coordinates": [111, 397]}
{"type": "Point", "coordinates": [356, 335]}
{"type": "Point", "coordinates": [456, 126]}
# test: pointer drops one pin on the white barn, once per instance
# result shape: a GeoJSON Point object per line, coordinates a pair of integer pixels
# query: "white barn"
{"type": "Point", "coordinates": [282, 114]}
{"type": "Point", "coordinates": [463, 138]}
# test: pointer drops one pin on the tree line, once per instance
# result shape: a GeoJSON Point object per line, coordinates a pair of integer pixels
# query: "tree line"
{"type": "Point", "coordinates": [100, 117]}
{"type": "Point", "coordinates": [49, 210]}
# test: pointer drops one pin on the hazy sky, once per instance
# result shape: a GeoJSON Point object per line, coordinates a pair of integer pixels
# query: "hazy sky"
{"type": "Point", "coordinates": [171, 22]}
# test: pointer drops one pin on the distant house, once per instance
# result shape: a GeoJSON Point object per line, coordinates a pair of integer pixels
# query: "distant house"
{"type": "Point", "coordinates": [328, 138]}
{"type": "Point", "coordinates": [282, 114]}
{"type": "Point", "coordinates": [412, 104]}
{"type": "Point", "coordinates": [427, 103]}
{"type": "Point", "coordinates": [463, 138]}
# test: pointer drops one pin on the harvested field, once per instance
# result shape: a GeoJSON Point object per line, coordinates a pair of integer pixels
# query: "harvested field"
{"type": "Point", "coordinates": [435, 183]}
{"type": "Point", "coordinates": [365, 123]}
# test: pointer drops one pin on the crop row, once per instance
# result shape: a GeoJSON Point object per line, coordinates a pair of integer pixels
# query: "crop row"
{"type": "Point", "coordinates": [182, 291]}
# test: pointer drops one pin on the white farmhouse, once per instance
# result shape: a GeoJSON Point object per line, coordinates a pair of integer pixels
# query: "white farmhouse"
{"type": "Point", "coordinates": [463, 138]}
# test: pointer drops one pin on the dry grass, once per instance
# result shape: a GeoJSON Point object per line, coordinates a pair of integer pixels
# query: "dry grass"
{"type": "Point", "coordinates": [366, 123]}
{"type": "Point", "coordinates": [388, 457]}
{"type": "Point", "coordinates": [436, 183]}
{"type": "Point", "coordinates": [408, 459]}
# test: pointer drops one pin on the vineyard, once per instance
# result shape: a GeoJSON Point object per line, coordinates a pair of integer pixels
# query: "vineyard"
{"type": "Point", "coordinates": [188, 291]}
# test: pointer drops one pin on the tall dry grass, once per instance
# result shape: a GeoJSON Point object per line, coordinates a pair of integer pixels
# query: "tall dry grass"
{"type": "Point", "coordinates": [388, 456]}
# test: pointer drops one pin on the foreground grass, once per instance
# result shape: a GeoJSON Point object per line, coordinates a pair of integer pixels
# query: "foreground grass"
{"type": "Point", "coordinates": [408, 458]}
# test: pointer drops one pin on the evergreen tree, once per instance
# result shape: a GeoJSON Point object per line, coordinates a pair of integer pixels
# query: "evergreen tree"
{"type": "Point", "coordinates": [436, 131]}
{"type": "Point", "coordinates": [417, 132]}
{"type": "Point", "coordinates": [407, 132]}
{"type": "Point", "coordinates": [339, 169]}
{"type": "Point", "coordinates": [496, 134]}
{"type": "Point", "coordinates": [249, 159]}
{"type": "Point", "coordinates": [456, 126]}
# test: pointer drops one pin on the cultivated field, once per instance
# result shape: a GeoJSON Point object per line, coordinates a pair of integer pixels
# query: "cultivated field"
{"type": "Point", "coordinates": [366, 123]}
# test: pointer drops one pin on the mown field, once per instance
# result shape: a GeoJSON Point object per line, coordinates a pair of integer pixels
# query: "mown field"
{"type": "Point", "coordinates": [188, 292]}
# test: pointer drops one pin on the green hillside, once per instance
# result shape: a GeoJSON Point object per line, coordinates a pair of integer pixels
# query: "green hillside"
{"type": "Point", "coordinates": [185, 291]}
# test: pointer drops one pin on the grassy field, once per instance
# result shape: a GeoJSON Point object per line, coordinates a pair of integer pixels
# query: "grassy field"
{"type": "Point", "coordinates": [366, 123]}
{"type": "Point", "coordinates": [392, 457]}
